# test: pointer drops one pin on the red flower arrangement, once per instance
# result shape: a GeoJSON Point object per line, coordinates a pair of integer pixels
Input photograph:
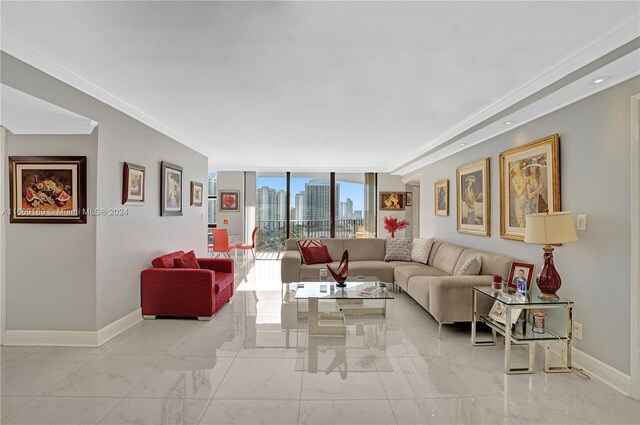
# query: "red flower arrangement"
{"type": "Point", "coordinates": [392, 225]}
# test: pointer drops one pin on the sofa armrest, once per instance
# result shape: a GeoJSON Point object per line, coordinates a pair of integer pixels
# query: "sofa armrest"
{"type": "Point", "coordinates": [177, 292]}
{"type": "Point", "coordinates": [290, 266]}
{"type": "Point", "coordinates": [451, 297]}
{"type": "Point", "coordinates": [222, 265]}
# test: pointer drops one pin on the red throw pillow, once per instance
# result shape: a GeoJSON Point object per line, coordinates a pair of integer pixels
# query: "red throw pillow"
{"type": "Point", "coordinates": [315, 254]}
{"type": "Point", "coordinates": [187, 261]}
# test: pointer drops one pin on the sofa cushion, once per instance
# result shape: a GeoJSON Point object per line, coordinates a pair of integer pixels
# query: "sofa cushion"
{"type": "Point", "coordinates": [420, 250]}
{"type": "Point", "coordinates": [434, 250]}
{"type": "Point", "coordinates": [471, 267]}
{"type": "Point", "coordinates": [315, 254]}
{"type": "Point", "coordinates": [166, 261]}
{"type": "Point", "coordinates": [379, 269]}
{"type": "Point", "coordinates": [222, 281]}
{"type": "Point", "coordinates": [186, 261]}
{"type": "Point", "coordinates": [447, 257]}
{"type": "Point", "coordinates": [404, 272]}
{"type": "Point", "coordinates": [492, 263]}
{"type": "Point", "coordinates": [419, 289]}
{"type": "Point", "coordinates": [312, 271]}
{"type": "Point", "coordinates": [365, 249]}
{"type": "Point", "coordinates": [398, 249]}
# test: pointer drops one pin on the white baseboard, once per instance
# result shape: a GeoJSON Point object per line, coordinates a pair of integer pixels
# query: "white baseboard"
{"type": "Point", "coordinates": [71, 338]}
{"type": "Point", "coordinates": [116, 328]}
{"type": "Point", "coordinates": [595, 368]}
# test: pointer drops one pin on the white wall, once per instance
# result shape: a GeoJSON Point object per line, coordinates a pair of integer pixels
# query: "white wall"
{"type": "Point", "coordinates": [125, 244]}
{"type": "Point", "coordinates": [232, 180]}
{"type": "Point", "coordinates": [390, 183]}
{"type": "Point", "coordinates": [595, 175]}
{"type": "Point", "coordinates": [52, 267]}
{"type": "Point", "coordinates": [3, 227]}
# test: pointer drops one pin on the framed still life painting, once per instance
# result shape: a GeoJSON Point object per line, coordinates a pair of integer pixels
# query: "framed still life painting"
{"type": "Point", "coordinates": [170, 189]}
{"type": "Point", "coordinates": [48, 189]}
{"type": "Point", "coordinates": [229, 200]}
{"type": "Point", "coordinates": [473, 198]}
{"type": "Point", "coordinates": [529, 183]}
{"type": "Point", "coordinates": [133, 184]}
{"type": "Point", "coordinates": [392, 201]}
{"type": "Point", "coordinates": [196, 194]}
{"type": "Point", "coordinates": [441, 197]}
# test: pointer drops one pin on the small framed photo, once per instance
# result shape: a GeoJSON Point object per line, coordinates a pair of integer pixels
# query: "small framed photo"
{"type": "Point", "coordinates": [196, 194]}
{"type": "Point", "coordinates": [132, 184]}
{"type": "Point", "coordinates": [520, 277]}
{"type": "Point", "coordinates": [48, 189]}
{"type": "Point", "coordinates": [170, 189]}
{"type": "Point", "coordinates": [409, 198]}
{"type": "Point", "coordinates": [229, 200]}
{"type": "Point", "coordinates": [441, 194]}
{"type": "Point", "coordinates": [499, 313]}
{"type": "Point", "coordinates": [392, 201]}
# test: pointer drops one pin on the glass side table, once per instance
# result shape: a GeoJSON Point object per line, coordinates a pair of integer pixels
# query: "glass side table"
{"type": "Point", "coordinates": [522, 333]}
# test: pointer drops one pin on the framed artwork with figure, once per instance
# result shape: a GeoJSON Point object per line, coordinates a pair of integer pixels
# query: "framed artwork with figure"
{"type": "Point", "coordinates": [133, 184]}
{"type": "Point", "coordinates": [529, 183]}
{"type": "Point", "coordinates": [473, 198]}
{"type": "Point", "coordinates": [392, 201]}
{"type": "Point", "coordinates": [170, 189]}
{"type": "Point", "coordinates": [441, 197]}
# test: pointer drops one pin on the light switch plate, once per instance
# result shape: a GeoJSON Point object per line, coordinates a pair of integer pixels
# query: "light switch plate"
{"type": "Point", "coordinates": [582, 222]}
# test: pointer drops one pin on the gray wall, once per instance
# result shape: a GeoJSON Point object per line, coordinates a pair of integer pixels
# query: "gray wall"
{"type": "Point", "coordinates": [125, 244]}
{"type": "Point", "coordinates": [51, 271]}
{"type": "Point", "coordinates": [595, 173]}
{"type": "Point", "coordinates": [232, 180]}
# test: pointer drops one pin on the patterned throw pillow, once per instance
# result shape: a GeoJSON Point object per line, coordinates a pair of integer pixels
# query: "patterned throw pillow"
{"type": "Point", "coordinates": [471, 267]}
{"type": "Point", "coordinates": [399, 249]}
{"type": "Point", "coordinates": [313, 251]}
{"type": "Point", "coordinates": [421, 249]}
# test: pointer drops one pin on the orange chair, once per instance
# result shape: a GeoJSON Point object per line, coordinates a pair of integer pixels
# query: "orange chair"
{"type": "Point", "coordinates": [221, 242]}
{"type": "Point", "coordinates": [251, 247]}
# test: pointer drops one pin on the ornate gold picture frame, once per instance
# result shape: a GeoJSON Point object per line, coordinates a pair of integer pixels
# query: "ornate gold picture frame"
{"type": "Point", "coordinates": [473, 204]}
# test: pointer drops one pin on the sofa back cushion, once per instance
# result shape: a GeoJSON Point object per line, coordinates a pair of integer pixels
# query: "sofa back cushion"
{"type": "Point", "coordinates": [492, 262]}
{"type": "Point", "coordinates": [434, 250]}
{"type": "Point", "coordinates": [335, 246]}
{"type": "Point", "coordinates": [365, 249]}
{"type": "Point", "coordinates": [447, 257]}
{"type": "Point", "coordinates": [166, 261]}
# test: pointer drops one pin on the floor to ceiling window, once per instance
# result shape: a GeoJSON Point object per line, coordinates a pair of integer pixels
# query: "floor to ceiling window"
{"type": "Point", "coordinates": [307, 205]}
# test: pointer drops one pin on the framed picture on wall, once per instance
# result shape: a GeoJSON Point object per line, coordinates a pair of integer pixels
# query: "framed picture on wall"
{"type": "Point", "coordinates": [196, 194]}
{"type": "Point", "coordinates": [441, 197]}
{"type": "Point", "coordinates": [409, 199]}
{"type": "Point", "coordinates": [529, 183]}
{"type": "Point", "coordinates": [229, 200]}
{"type": "Point", "coordinates": [392, 201]}
{"type": "Point", "coordinates": [170, 189]}
{"type": "Point", "coordinates": [133, 184]}
{"type": "Point", "coordinates": [473, 198]}
{"type": "Point", "coordinates": [48, 189]}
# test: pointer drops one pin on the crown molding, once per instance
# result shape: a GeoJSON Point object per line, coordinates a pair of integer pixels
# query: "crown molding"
{"type": "Point", "coordinates": [39, 59]}
{"type": "Point", "coordinates": [626, 31]}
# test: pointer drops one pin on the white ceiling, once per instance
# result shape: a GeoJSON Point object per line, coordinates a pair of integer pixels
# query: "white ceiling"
{"type": "Point", "coordinates": [24, 114]}
{"type": "Point", "coordinates": [311, 85]}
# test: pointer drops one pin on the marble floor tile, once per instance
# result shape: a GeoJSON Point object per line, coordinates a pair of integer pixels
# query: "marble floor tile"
{"type": "Point", "coordinates": [209, 342]}
{"type": "Point", "coordinates": [261, 378]}
{"type": "Point", "coordinates": [184, 377]}
{"type": "Point", "coordinates": [63, 411]}
{"type": "Point", "coordinates": [9, 405]}
{"type": "Point", "coordinates": [346, 412]}
{"type": "Point", "coordinates": [106, 376]}
{"type": "Point", "coordinates": [35, 374]}
{"type": "Point", "coordinates": [136, 411]}
{"type": "Point", "coordinates": [342, 383]}
{"type": "Point", "coordinates": [251, 412]}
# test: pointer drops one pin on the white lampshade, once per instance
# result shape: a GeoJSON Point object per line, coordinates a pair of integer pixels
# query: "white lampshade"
{"type": "Point", "coordinates": [550, 228]}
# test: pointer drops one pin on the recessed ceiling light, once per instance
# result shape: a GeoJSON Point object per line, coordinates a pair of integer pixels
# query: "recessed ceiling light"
{"type": "Point", "coordinates": [463, 144]}
{"type": "Point", "coordinates": [509, 122]}
{"type": "Point", "coordinates": [600, 80]}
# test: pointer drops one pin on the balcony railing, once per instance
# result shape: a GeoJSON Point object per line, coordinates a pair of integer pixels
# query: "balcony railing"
{"type": "Point", "coordinates": [273, 233]}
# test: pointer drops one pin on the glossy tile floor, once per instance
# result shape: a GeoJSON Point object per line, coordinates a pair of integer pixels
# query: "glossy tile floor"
{"type": "Point", "coordinates": [255, 364]}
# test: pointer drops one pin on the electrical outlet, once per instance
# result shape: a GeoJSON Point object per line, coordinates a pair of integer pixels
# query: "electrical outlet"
{"type": "Point", "coordinates": [577, 330]}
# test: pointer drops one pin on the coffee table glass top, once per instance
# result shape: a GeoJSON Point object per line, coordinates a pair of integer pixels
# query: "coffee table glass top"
{"type": "Point", "coordinates": [513, 298]}
{"type": "Point", "coordinates": [315, 289]}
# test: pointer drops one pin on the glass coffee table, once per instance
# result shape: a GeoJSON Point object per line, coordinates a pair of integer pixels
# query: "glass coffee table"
{"type": "Point", "coordinates": [350, 302]}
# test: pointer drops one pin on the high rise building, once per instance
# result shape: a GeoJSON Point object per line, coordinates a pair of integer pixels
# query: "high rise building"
{"type": "Point", "coordinates": [266, 208]}
{"type": "Point", "coordinates": [299, 207]}
{"type": "Point", "coordinates": [281, 203]}
{"type": "Point", "coordinates": [357, 215]}
{"type": "Point", "coordinates": [346, 209]}
{"type": "Point", "coordinates": [317, 204]}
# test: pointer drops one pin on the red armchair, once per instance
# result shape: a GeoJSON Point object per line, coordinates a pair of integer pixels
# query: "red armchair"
{"type": "Point", "coordinates": [186, 292]}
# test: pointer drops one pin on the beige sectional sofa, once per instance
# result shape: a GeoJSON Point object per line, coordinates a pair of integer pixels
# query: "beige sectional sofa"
{"type": "Point", "coordinates": [433, 285]}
